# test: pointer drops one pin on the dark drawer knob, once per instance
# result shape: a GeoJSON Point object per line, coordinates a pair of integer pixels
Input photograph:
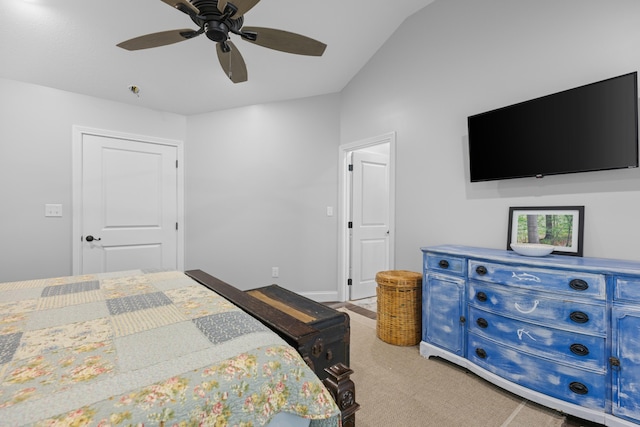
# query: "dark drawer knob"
{"type": "Point", "coordinates": [578, 388]}
{"type": "Point", "coordinates": [481, 270]}
{"type": "Point", "coordinates": [443, 263]}
{"type": "Point", "coordinates": [579, 285]}
{"type": "Point", "coordinates": [482, 322]}
{"type": "Point", "coordinates": [579, 317]}
{"type": "Point", "coordinates": [481, 353]}
{"type": "Point", "coordinates": [579, 349]}
{"type": "Point", "coordinates": [481, 296]}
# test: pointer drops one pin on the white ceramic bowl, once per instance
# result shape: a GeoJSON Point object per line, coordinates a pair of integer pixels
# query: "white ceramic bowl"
{"type": "Point", "coordinates": [532, 249]}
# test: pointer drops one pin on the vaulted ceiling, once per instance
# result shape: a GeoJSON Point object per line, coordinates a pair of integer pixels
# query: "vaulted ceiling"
{"type": "Point", "coordinates": [71, 45]}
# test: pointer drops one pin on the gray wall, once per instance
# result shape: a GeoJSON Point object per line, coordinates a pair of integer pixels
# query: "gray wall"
{"type": "Point", "coordinates": [259, 180]}
{"type": "Point", "coordinates": [35, 169]}
{"type": "Point", "coordinates": [455, 58]}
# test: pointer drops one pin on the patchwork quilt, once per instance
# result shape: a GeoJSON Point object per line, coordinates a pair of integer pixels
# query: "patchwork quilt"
{"type": "Point", "coordinates": [145, 348]}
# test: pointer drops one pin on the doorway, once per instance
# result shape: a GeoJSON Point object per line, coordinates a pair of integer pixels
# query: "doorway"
{"type": "Point", "coordinates": [367, 188]}
{"type": "Point", "coordinates": [127, 202]}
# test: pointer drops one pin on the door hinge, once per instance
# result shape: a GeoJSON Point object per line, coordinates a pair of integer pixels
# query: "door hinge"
{"type": "Point", "coordinates": [350, 224]}
{"type": "Point", "coordinates": [614, 361]}
{"type": "Point", "coordinates": [176, 225]}
{"type": "Point", "coordinates": [349, 282]}
{"type": "Point", "coordinates": [350, 168]}
{"type": "Point", "coordinates": [176, 164]}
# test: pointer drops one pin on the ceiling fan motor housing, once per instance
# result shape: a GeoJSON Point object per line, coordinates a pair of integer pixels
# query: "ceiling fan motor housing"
{"type": "Point", "coordinates": [216, 31]}
{"type": "Point", "coordinates": [216, 25]}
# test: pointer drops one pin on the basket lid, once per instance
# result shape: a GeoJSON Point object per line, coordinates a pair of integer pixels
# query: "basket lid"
{"type": "Point", "coordinates": [399, 278]}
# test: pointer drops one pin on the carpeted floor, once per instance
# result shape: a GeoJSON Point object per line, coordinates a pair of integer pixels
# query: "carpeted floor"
{"type": "Point", "coordinates": [395, 386]}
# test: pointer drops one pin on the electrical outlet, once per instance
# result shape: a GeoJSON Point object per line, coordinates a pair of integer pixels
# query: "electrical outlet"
{"type": "Point", "coordinates": [275, 272]}
{"type": "Point", "coordinates": [52, 210]}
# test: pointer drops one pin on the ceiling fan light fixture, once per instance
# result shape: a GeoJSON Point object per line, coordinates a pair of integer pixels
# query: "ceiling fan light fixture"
{"type": "Point", "coordinates": [216, 31]}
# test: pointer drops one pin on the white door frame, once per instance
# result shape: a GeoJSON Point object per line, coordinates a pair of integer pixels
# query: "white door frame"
{"type": "Point", "coordinates": [76, 156]}
{"type": "Point", "coordinates": [344, 198]}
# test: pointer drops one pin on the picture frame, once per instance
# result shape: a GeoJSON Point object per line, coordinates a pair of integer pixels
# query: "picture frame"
{"type": "Point", "coordinates": [560, 226]}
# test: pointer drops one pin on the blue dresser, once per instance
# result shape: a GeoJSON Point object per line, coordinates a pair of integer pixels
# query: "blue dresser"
{"type": "Point", "coordinates": [558, 330]}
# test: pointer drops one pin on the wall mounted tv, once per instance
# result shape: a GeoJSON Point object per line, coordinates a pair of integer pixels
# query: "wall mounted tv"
{"type": "Point", "coordinates": [588, 128]}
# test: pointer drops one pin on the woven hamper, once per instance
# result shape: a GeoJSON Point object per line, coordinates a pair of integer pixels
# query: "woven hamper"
{"type": "Point", "coordinates": [399, 307]}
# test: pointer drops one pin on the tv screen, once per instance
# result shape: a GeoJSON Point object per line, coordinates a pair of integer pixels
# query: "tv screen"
{"type": "Point", "coordinates": [588, 128]}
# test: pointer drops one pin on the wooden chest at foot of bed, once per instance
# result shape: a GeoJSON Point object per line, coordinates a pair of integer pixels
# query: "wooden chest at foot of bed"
{"type": "Point", "coordinates": [322, 339]}
{"type": "Point", "coordinates": [327, 345]}
{"type": "Point", "coordinates": [319, 333]}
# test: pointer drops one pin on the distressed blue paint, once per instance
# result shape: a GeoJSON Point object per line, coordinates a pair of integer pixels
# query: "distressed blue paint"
{"type": "Point", "coordinates": [443, 304]}
{"type": "Point", "coordinates": [527, 329]}
{"type": "Point", "coordinates": [626, 347]}
{"type": "Point", "coordinates": [550, 343]}
{"type": "Point", "coordinates": [541, 307]}
{"type": "Point", "coordinates": [556, 281]}
{"type": "Point", "coordinates": [446, 264]}
{"type": "Point", "coordinates": [627, 288]}
{"type": "Point", "coordinates": [543, 375]}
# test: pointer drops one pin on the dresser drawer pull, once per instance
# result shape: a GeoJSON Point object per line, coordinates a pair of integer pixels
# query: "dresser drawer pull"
{"type": "Point", "coordinates": [482, 323]}
{"type": "Point", "coordinates": [481, 270]}
{"type": "Point", "coordinates": [443, 263]}
{"type": "Point", "coordinates": [481, 353]}
{"type": "Point", "coordinates": [481, 296]}
{"type": "Point", "coordinates": [579, 317]}
{"type": "Point", "coordinates": [579, 349]}
{"type": "Point", "coordinates": [579, 285]}
{"type": "Point", "coordinates": [578, 388]}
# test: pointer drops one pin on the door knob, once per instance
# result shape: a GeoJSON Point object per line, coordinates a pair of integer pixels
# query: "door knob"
{"type": "Point", "coordinates": [90, 238]}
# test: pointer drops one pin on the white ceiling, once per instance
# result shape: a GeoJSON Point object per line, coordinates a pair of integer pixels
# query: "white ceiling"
{"type": "Point", "coordinates": [71, 45]}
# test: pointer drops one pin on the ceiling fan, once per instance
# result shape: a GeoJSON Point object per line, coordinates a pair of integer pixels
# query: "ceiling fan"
{"type": "Point", "coordinates": [216, 19]}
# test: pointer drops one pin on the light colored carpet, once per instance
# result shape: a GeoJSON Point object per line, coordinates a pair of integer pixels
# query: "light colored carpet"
{"type": "Point", "coordinates": [395, 386]}
{"type": "Point", "coordinates": [370, 303]}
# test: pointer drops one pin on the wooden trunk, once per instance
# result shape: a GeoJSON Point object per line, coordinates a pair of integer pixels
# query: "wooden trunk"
{"type": "Point", "coordinates": [319, 333]}
{"type": "Point", "coordinates": [327, 345]}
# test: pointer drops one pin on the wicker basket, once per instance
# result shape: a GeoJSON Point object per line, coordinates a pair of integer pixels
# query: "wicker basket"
{"type": "Point", "coordinates": [399, 307]}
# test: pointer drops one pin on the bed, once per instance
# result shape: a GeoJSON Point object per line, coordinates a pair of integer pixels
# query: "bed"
{"type": "Point", "coordinates": [146, 348]}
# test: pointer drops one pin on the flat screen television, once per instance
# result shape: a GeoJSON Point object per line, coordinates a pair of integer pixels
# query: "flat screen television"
{"type": "Point", "coordinates": [587, 128]}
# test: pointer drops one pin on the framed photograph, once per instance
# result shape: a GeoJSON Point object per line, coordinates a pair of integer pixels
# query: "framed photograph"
{"type": "Point", "coordinates": [560, 226]}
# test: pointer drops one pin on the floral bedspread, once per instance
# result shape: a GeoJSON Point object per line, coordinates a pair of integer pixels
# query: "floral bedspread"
{"type": "Point", "coordinates": [136, 348]}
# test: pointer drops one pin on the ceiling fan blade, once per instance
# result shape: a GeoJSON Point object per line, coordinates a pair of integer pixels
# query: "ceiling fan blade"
{"type": "Point", "coordinates": [221, 5]}
{"type": "Point", "coordinates": [158, 39]}
{"type": "Point", "coordinates": [243, 6]}
{"type": "Point", "coordinates": [180, 4]}
{"type": "Point", "coordinates": [232, 62]}
{"type": "Point", "coordinates": [285, 41]}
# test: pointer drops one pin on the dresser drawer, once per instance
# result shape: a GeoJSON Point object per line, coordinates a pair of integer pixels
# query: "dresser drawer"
{"type": "Point", "coordinates": [587, 351]}
{"type": "Point", "coordinates": [543, 309]}
{"type": "Point", "coordinates": [627, 289]}
{"type": "Point", "coordinates": [445, 263]}
{"type": "Point", "coordinates": [557, 281]}
{"type": "Point", "coordinates": [569, 383]}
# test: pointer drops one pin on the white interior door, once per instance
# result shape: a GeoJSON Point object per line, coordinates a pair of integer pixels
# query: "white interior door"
{"type": "Point", "coordinates": [370, 249]}
{"type": "Point", "coordinates": [129, 205]}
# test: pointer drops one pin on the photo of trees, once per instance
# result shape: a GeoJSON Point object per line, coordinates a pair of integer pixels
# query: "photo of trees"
{"type": "Point", "coordinates": [550, 229]}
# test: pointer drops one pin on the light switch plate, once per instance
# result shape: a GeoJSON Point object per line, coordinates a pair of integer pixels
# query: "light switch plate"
{"type": "Point", "coordinates": [52, 210]}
